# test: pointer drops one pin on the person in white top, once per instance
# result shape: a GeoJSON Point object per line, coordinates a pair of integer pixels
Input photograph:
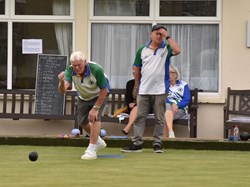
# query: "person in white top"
{"type": "Point", "coordinates": [177, 100]}
{"type": "Point", "coordinates": [151, 73]}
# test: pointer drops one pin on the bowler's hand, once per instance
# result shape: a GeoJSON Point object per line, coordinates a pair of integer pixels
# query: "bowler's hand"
{"type": "Point", "coordinates": [93, 115]}
{"type": "Point", "coordinates": [61, 76]}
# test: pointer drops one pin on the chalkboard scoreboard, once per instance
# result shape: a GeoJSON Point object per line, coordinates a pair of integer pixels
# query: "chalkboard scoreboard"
{"type": "Point", "coordinates": [48, 100]}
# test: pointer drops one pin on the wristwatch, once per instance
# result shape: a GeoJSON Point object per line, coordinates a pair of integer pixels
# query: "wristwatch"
{"type": "Point", "coordinates": [96, 107]}
{"type": "Point", "coordinates": [168, 37]}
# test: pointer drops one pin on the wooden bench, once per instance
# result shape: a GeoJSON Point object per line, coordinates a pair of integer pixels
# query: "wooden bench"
{"type": "Point", "coordinates": [19, 104]}
{"type": "Point", "coordinates": [117, 100]}
{"type": "Point", "coordinates": [236, 110]}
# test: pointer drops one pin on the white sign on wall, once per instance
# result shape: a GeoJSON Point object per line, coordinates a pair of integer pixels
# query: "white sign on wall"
{"type": "Point", "coordinates": [32, 46]}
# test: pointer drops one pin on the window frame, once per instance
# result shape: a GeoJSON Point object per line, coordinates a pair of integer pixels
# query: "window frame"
{"type": "Point", "coordinates": [154, 18]}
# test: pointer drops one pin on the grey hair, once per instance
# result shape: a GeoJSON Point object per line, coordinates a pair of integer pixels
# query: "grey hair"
{"type": "Point", "coordinates": [78, 55]}
{"type": "Point", "coordinates": [174, 68]}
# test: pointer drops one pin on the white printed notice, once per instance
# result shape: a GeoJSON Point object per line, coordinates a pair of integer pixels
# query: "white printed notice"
{"type": "Point", "coordinates": [32, 46]}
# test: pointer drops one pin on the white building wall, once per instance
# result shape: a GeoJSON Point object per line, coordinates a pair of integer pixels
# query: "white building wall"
{"type": "Point", "coordinates": [235, 58]}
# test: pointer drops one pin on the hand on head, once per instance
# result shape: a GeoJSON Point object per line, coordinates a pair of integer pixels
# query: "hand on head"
{"type": "Point", "coordinates": [163, 32]}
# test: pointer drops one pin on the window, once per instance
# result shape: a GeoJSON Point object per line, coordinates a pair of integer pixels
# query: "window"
{"type": "Point", "coordinates": [48, 20]}
{"type": "Point", "coordinates": [3, 55]}
{"type": "Point", "coordinates": [198, 61]}
{"type": "Point", "coordinates": [187, 8]}
{"type": "Point", "coordinates": [54, 42]}
{"type": "Point", "coordinates": [121, 8]}
{"type": "Point", "coordinates": [2, 7]}
{"type": "Point", "coordinates": [114, 47]}
{"type": "Point", "coordinates": [47, 7]}
{"type": "Point", "coordinates": [114, 44]}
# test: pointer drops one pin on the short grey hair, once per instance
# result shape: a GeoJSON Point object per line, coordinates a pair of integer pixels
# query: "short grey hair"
{"type": "Point", "coordinates": [78, 55]}
{"type": "Point", "coordinates": [174, 68]}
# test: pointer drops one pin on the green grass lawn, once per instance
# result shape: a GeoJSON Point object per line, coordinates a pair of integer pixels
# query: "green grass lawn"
{"type": "Point", "coordinates": [62, 166]}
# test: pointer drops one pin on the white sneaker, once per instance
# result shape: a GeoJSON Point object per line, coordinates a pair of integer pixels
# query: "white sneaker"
{"type": "Point", "coordinates": [171, 134]}
{"type": "Point", "coordinates": [89, 155]}
{"type": "Point", "coordinates": [100, 145]}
